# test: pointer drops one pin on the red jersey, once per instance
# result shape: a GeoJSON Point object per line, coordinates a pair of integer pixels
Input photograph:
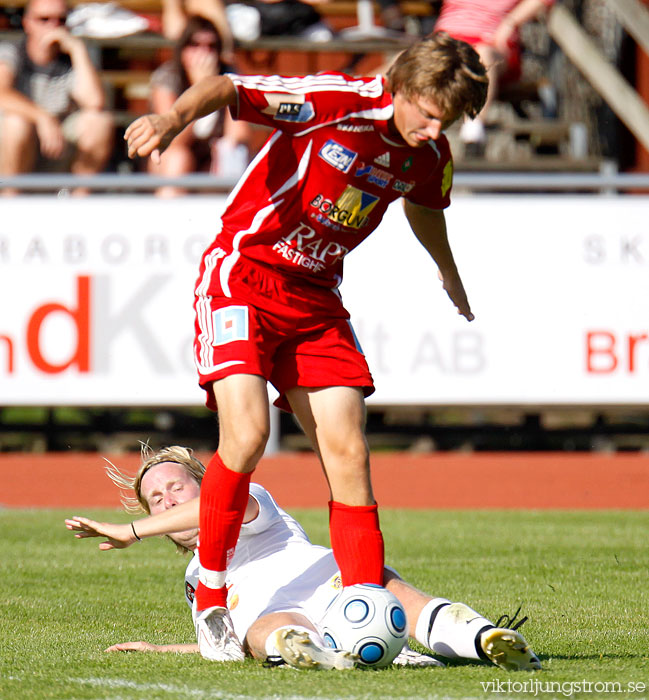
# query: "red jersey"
{"type": "Point", "coordinates": [326, 175]}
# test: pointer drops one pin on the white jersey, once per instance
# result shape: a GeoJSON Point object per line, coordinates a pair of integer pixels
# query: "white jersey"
{"type": "Point", "coordinates": [275, 568]}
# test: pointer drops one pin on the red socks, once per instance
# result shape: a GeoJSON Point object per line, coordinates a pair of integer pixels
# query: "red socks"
{"type": "Point", "coordinates": [357, 543]}
{"type": "Point", "coordinates": [224, 497]}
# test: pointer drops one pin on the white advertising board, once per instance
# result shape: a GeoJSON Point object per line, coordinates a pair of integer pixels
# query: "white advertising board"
{"type": "Point", "coordinates": [96, 302]}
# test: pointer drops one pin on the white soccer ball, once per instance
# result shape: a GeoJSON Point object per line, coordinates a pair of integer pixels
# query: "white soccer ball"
{"type": "Point", "coordinates": [367, 620]}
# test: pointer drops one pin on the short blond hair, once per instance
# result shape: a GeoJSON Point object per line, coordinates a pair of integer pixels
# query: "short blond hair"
{"type": "Point", "coordinates": [443, 69]}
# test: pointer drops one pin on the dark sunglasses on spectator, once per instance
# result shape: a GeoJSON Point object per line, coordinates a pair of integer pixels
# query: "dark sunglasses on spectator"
{"type": "Point", "coordinates": [59, 19]}
{"type": "Point", "coordinates": [207, 44]}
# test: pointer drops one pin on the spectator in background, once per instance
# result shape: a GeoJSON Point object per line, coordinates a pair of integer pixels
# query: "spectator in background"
{"type": "Point", "coordinates": [491, 27]}
{"type": "Point", "coordinates": [299, 18]}
{"type": "Point", "coordinates": [216, 143]}
{"type": "Point", "coordinates": [176, 14]}
{"type": "Point", "coordinates": [51, 100]}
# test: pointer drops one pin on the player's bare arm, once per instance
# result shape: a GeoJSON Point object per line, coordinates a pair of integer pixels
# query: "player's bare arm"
{"type": "Point", "coordinates": [119, 536]}
{"type": "Point", "coordinates": [429, 225]}
{"type": "Point", "coordinates": [151, 134]}
{"type": "Point", "coordinates": [146, 646]}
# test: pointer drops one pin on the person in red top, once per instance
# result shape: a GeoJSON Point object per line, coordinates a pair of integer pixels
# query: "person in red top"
{"type": "Point", "coordinates": [266, 299]}
{"type": "Point", "coordinates": [491, 26]}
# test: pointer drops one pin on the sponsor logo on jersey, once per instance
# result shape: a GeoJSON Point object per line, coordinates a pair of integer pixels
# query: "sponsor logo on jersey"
{"type": "Point", "coordinates": [338, 156]}
{"type": "Point", "coordinates": [351, 209]}
{"type": "Point", "coordinates": [355, 128]}
{"type": "Point", "coordinates": [291, 112]}
{"type": "Point", "coordinates": [320, 218]}
{"type": "Point", "coordinates": [229, 324]}
{"type": "Point", "coordinates": [407, 164]}
{"type": "Point", "coordinates": [305, 248]}
{"type": "Point", "coordinates": [373, 175]}
{"type": "Point", "coordinates": [383, 159]}
{"type": "Point", "coordinates": [403, 187]}
{"type": "Point", "coordinates": [275, 99]}
{"type": "Point", "coordinates": [189, 591]}
{"type": "Point", "coordinates": [447, 177]}
{"type": "Point", "coordinates": [233, 602]}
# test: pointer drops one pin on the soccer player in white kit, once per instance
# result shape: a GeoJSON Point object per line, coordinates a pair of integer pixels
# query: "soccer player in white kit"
{"type": "Point", "coordinates": [279, 583]}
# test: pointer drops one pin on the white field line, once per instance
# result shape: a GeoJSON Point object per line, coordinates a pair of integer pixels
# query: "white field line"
{"type": "Point", "coordinates": [183, 691]}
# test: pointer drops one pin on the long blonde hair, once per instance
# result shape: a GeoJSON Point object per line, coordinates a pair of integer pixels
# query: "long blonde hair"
{"type": "Point", "coordinates": [131, 485]}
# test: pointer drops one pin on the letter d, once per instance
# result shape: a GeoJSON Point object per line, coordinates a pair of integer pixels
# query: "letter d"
{"type": "Point", "coordinates": [80, 316]}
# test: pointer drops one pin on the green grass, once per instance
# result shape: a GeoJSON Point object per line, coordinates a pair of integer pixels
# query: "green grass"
{"type": "Point", "coordinates": [582, 579]}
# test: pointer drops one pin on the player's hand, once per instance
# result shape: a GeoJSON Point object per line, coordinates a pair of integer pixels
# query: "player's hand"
{"type": "Point", "coordinates": [455, 289]}
{"type": "Point", "coordinates": [117, 536]}
{"type": "Point", "coordinates": [150, 135]}
{"type": "Point", "coordinates": [132, 646]}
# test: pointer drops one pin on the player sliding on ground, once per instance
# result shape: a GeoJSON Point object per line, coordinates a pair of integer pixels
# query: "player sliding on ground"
{"type": "Point", "coordinates": [266, 299]}
{"type": "Point", "coordinates": [279, 583]}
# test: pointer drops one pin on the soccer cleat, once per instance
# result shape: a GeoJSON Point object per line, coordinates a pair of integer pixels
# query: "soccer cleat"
{"type": "Point", "coordinates": [217, 640]}
{"type": "Point", "coordinates": [508, 649]}
{"type": "Point", "coordinates": [410, 657]}
{"type": "Point", "coordinates": [300, 651]}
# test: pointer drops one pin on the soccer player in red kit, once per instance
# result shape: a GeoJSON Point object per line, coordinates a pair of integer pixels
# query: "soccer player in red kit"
{"type": "Point", "coordinates": [266, 300]}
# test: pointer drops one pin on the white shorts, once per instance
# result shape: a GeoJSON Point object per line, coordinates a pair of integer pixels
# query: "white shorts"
{"type": "Point", "coordinates": [304, 584]}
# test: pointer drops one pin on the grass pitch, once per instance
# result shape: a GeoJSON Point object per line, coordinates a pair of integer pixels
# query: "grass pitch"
{"type": "Point", "coordinates": [581, 577]}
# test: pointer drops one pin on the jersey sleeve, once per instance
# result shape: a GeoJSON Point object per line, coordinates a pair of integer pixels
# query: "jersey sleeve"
{"type": "Point", "coordinates": [268, 513]}
{"type": "Point", "coordinates": [296, 104]}
{"type": "Point", "coordinates": [434, 192]}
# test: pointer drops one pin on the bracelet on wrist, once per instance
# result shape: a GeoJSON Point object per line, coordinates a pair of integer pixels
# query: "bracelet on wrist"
{"type": "Point", "coordinates": [139, 539]}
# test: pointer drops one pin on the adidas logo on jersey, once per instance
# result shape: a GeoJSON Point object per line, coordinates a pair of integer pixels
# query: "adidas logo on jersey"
{"type": "Point", "coordinates": [383, 159]}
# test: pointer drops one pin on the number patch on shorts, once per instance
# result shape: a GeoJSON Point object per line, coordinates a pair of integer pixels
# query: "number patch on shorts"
{"type": "Point", "coordinates": [230, 324]}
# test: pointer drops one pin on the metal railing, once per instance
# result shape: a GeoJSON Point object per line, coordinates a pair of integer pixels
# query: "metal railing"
{"type": "Point", "coordinates": [511, 182]}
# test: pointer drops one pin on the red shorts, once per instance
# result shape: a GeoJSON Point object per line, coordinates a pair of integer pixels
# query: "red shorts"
{"type": "Point", "coordinates": [249, 320]}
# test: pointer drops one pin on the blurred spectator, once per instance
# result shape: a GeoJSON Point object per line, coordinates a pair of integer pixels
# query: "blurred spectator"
{"type": "Point", "coordinates": [51, 100]}
{"type": "Point", "coordinates": [419, 21]}
{"type": "Point", "coordinates": [176, 14]}
{"type": "Point", "coordinates": [252, 19]}
{"type": "Point", "coordinates": [491, 27]}
{"type": "Point", "coordinates": [215, 143]}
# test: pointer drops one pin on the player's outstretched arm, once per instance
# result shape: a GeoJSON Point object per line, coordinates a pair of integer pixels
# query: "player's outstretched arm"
{"type": "Point", "coordinates": [146, 646]}
{"type": "Point", "coordinates": [429, 225]}
{"type": "Point", "coordinates": [120, 536]}
{"type": "Point", "coordinates": [151, 134]}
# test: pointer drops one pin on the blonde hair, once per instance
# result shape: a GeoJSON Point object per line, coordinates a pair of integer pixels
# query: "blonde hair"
{"type": "Point", "coordinates": [443, 69]}
{"type": "Point", "coordinates": [130, 485]}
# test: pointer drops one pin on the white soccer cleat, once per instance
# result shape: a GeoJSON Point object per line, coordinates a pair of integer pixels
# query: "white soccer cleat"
{"type": "Point", "coordinates": [509, 650]}
{"type": "Point", "coordinates": [217, 640]}
{"type": "Point", "coordinates": [410, 657]}
{"type": "Point", "coordinates": [299, 651]}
